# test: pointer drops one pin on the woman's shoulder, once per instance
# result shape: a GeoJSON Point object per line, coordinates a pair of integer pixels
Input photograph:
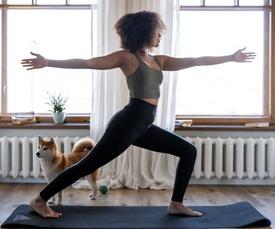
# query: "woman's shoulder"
{"type": "Point", "coordinates": [127, 54]}
{"type": "Point", "coordinates": [128, 57]}
{"type": "Point", "coordinates": [123, 52]}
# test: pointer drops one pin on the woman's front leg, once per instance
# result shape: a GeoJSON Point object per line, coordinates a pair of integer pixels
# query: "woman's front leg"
{"type": "Point", "coordinates": [163, 141]}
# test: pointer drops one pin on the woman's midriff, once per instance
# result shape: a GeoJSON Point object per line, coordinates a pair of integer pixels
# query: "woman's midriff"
{"type": "Point", "coordinates": [151, 101]}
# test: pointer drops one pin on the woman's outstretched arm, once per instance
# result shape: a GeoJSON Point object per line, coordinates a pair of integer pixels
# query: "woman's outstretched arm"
{"type": "Point", "coordinates": [173, 64]}
{"type": "Point", "coordinates": [113, 60]}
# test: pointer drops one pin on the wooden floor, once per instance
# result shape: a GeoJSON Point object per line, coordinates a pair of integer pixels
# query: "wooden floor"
{"type": "Point", "coordinates": [261, 197]}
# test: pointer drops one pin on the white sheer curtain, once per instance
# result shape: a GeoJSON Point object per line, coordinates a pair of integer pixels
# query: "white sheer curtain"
{"type": "Point", "coordinates": [136, 167]}
{"type": "Point", "coordinates": [109, 89]}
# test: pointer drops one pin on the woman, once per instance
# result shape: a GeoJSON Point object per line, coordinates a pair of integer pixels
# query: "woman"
{"type": "Point", "coordinates": [133, 125]}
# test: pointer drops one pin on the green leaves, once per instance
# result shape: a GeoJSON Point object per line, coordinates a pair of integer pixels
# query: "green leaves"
{"type": "Point", "coordinates": [57, 103]}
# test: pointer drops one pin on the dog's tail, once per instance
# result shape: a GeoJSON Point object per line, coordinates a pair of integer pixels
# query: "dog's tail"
{"type": "Point", "coordinates": [83, 145]}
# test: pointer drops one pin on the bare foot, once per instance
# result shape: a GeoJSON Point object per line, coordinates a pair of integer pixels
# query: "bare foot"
{"type": "Point", "coordinates": [177, 208]}
{"type": "Point", "coordinates": [40, 206]}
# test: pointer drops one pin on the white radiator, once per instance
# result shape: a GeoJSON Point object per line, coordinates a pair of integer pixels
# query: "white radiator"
{"type": "Point", "coordinates": [18, 155]}
{"type": "Point", "coordinates": [234, 158]}
{"type": "Point", "coordinates": [217, 158]}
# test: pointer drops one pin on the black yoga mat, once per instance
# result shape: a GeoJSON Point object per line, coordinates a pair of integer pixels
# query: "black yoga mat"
{"type": "Point", "coordinates": [240, 214]}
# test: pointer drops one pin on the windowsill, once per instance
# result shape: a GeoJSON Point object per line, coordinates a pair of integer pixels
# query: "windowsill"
{"type": "Point", "coordinates": [177, 128]}
{"type": "Point", "coordinates": [45, 126]}
{"type": "Point", "coordinates": [223, 128]}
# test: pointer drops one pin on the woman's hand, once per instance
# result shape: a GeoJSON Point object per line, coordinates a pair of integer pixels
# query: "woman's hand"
{"type": "Point", "coordinates": [241, 56]}
{"type": "Point", "coordinates": [34, 63]}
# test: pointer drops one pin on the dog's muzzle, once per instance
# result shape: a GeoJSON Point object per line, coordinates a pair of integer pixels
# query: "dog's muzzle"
{"type": "Point", "coordinates": [38, 154]}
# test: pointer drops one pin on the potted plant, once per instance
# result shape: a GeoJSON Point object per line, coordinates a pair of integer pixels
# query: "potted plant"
{"type": "Point", "coordinates": [57, 103]}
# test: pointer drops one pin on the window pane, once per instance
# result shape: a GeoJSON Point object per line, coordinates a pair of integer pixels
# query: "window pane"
{"type": "Point", "coordinates": [226, 89]}
{"type": "Point", "coordinates": [190, 2]}
{"type": "Point", "coordinates": [51, 2]}
{"type": "Point", "coordinates": [19, 2]}
{"type": "Point", "coordinates": [83, 2]}
{"type": "Point", "coordinates": [219, 2]}
{"type": "Point", "coordinates": [252, 2]}
{"type": "Point", "coordinates": [56, 34]}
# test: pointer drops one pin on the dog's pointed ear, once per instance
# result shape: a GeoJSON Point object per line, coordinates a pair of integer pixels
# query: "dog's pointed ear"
{"type": "Point", "coordinates": [40, 139]}
{"type": "Point", "coordinates": [51, 141]}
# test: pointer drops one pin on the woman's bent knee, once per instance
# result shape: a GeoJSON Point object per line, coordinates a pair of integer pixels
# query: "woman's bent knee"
{"type": "Point", "coordinates": [193, 152]}
{"type": "Point", "coordinates": [189, 151]}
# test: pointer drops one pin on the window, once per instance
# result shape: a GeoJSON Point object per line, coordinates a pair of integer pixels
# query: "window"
{"type": "Point", "coordinates": [59, 31]}
{"type": "Point", "coordinates": [207, 27]}
{"type": "Point", "coordinates": [216, 28]}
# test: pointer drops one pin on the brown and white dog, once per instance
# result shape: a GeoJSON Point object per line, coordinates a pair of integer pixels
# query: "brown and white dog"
{"type": "Point", "coordinates": [53, 162]}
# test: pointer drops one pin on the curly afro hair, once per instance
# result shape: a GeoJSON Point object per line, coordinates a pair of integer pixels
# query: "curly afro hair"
{"type": "Point", "coordinates": [136, 30]}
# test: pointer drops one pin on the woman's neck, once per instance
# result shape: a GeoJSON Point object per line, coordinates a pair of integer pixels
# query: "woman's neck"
{"type": "Point", "coordinates": [144, 53]}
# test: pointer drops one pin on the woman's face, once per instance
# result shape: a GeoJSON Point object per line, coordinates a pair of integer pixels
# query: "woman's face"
{"type": "Point", "coordinates": [156, 39]}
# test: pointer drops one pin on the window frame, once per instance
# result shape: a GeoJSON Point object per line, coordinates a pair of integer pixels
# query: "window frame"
{"type": "Point", "coordinates": [269, 73]}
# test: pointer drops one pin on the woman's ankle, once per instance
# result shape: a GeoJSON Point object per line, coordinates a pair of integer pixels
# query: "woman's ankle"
{"type": "Point", "coordinates": [38, 198]}
{"type": "Point", "coordinates": [175, 203]}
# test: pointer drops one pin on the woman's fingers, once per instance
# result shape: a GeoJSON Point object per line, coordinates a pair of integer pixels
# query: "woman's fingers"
{"type": "Point", "coordinates": [33, 63]}
{"type": "Point", "coordinates": [250, 55]}
{"type": "Point", "coordinates": [241, 56]}
{"type": "Point", "coordinates": [27, 60]}
{"type": "Point", "coordinates": [27, 65]}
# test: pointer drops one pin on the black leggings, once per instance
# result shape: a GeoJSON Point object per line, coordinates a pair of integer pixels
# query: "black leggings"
{"type": "Point", "coordinates": [133, 125]}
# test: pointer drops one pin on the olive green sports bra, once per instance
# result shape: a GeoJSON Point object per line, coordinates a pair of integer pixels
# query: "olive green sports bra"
{"type": "Point", "coordinates": [145, 81]}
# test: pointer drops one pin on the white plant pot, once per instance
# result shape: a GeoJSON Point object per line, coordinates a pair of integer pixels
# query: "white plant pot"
{"type": "Point", "coordinates": [58, 118]}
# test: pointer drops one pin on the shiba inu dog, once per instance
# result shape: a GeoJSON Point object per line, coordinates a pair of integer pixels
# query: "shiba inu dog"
{"type": "Point", "coordinates": [53, 162]}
